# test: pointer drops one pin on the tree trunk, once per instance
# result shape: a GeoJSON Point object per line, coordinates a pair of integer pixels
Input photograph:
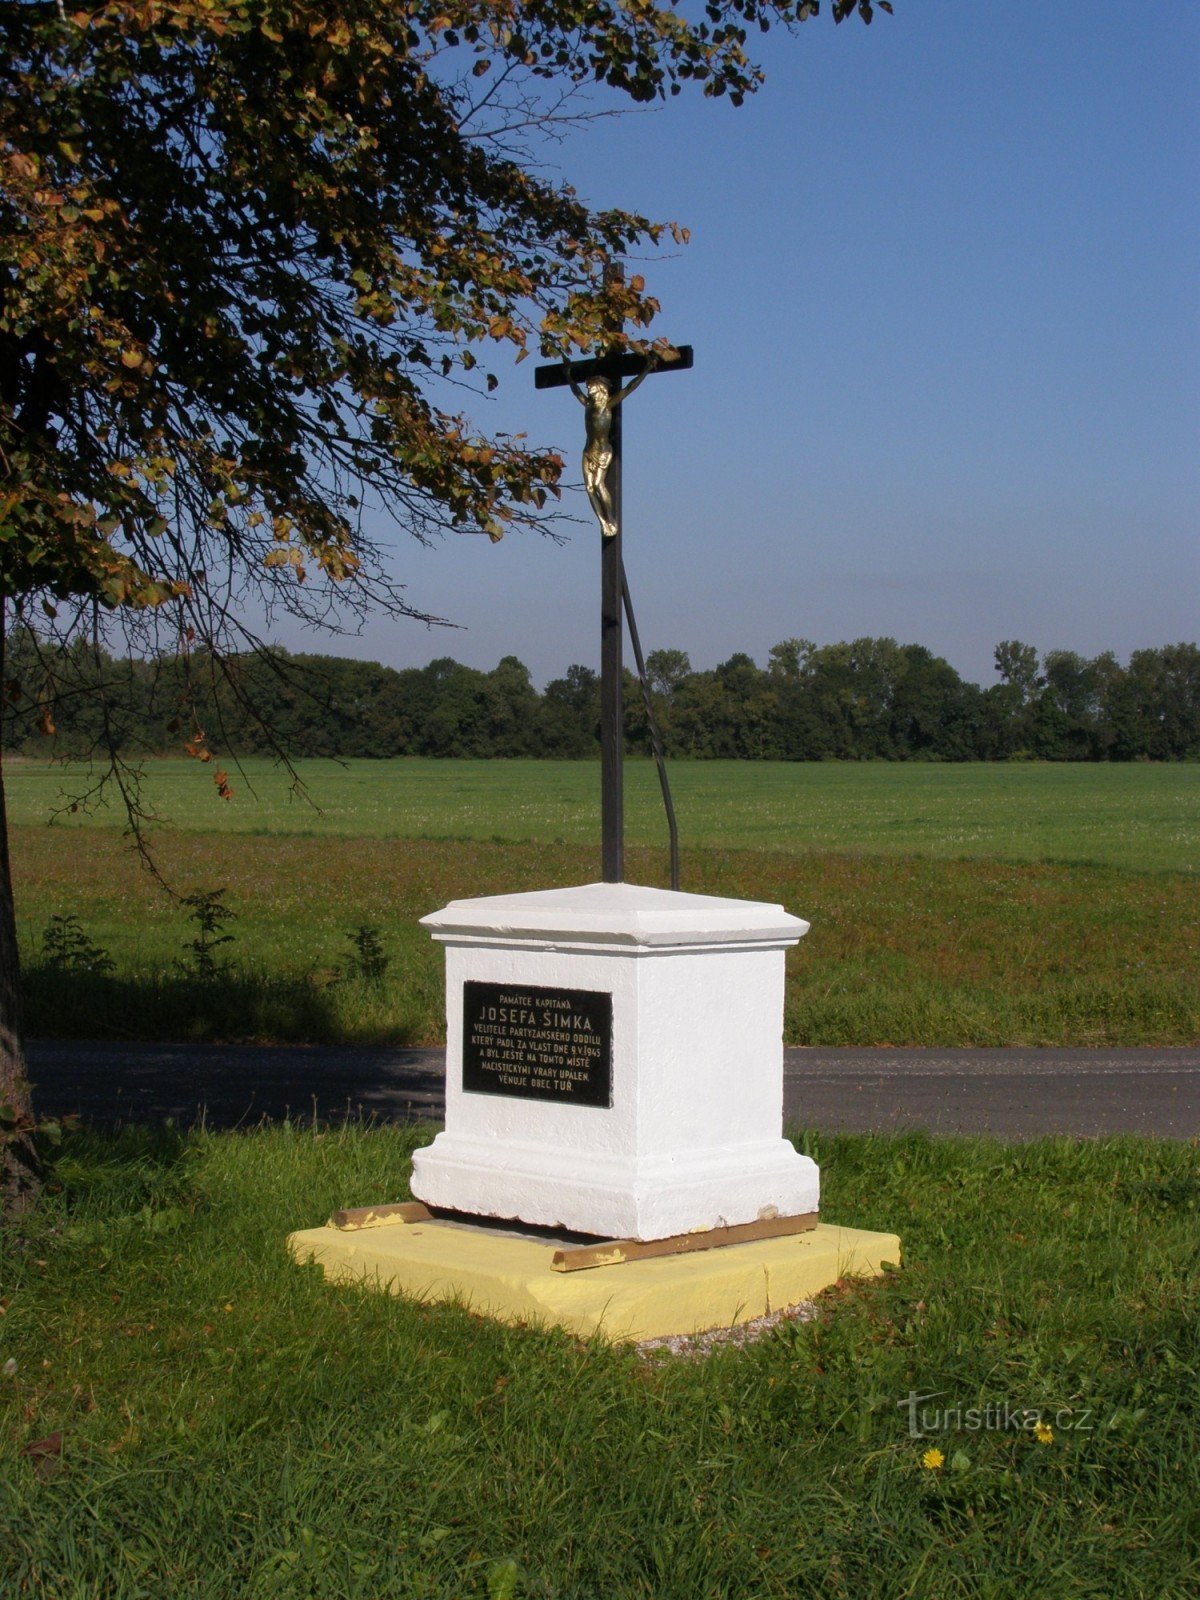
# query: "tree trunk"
{"type": "Point", "coordinates": [20, 1172]}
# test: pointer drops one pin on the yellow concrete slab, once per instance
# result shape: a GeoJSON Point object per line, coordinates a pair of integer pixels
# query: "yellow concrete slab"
{"type": "Point", "coordinates": [512, 1279]}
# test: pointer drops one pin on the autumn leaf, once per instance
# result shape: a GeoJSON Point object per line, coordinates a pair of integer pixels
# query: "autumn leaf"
{"type": "Point", "coordinates": [45, 1454]}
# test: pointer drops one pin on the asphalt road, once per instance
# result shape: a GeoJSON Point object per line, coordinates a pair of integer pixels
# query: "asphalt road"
{"type": "Point", "coordinates": [1012, 1094]}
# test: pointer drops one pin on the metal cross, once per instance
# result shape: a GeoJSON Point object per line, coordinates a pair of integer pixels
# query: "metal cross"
{"type": "Point", "coordinates": [606, 500]}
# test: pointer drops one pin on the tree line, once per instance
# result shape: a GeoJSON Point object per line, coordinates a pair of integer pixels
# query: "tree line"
{"type": "Point", "coordinates": [868, 699]}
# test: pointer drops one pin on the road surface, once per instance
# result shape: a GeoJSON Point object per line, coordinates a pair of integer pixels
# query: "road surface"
{"type": "Point", "coordinates": [1012, 1094]}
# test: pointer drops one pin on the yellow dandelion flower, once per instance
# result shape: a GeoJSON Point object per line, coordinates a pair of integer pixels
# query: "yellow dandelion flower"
{"type": "Point", "coordinates": [932, 1460]}
{"type": "Point", "coordinates": [1044, 1433]}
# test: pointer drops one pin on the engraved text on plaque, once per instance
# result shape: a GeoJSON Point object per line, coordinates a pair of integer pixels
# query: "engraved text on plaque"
{"type": "Point", "coordinates": [538, 1044]}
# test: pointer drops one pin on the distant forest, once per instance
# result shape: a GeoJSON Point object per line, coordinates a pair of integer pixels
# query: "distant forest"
{"type": "Point", "coordinates": [871, 699]}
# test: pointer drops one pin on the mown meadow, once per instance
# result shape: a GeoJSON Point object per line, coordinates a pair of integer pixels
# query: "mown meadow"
{"type": "Point", "coordinates": [185, 1413]}
{"type": "Point", "coordinates": [972, 905]}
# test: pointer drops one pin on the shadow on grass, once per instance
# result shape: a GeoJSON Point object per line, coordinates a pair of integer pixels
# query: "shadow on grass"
{"type": "Point", "coordinates": [113, 1171]}
{"type": "Point", "coordinates": [236, 1005]}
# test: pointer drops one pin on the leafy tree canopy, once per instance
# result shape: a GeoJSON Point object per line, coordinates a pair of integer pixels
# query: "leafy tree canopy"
{"type": "Point", "coordinates": [249, 250]}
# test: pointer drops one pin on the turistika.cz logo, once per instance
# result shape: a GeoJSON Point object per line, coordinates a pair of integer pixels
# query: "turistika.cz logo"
{"type": "Point", "coordinates": [995, 1416]}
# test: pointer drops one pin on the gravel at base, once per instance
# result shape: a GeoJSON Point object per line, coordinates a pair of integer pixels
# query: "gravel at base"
{"type": "Point", "coordinates": [693, 1345]}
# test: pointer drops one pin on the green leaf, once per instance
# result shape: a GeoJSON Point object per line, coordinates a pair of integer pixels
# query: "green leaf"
{"type": "Point", "coordinates": [502, 1580]}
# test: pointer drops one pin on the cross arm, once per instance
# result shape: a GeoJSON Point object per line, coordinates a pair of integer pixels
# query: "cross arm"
{"type": "Point", "coordinates": [621, 364]}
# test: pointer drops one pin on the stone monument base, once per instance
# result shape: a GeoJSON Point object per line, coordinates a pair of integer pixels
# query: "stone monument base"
{"type": "Point", "coordinates": [614, 1062]}
{"type": "Point", "coordinates": [511, 1278]}
{"type": "Point", "coordinates": [619, 1197]}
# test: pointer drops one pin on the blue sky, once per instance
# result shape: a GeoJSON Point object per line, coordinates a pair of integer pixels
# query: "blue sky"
{"type": "Point", "coordinates": [942, 289]}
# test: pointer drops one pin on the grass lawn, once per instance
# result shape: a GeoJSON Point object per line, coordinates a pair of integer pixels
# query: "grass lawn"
{"type": "Point", "coordinates": [228, 1424]}
{"type": "Point", "coordinates": [978, 905]}
{"type": "Point", "coordinates": [183, 1412]}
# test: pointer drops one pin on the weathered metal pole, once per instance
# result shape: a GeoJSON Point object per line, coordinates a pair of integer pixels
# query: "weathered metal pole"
{"type": "Point", "coordinates": [612, 718]}
{"type": "Point", "coordinates": [612, 624]}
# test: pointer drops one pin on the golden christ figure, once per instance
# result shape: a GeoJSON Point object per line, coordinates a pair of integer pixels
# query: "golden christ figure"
{"type": "Point", "coordinates": [598, 403]}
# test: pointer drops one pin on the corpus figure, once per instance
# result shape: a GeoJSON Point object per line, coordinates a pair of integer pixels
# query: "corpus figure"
{"type": "Point", "coordinates": [598, 403]}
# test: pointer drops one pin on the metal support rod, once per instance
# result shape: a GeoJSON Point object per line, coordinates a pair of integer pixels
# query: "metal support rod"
{"type": "Point", "coordinates": [655, 741]}
{"type": "Point", "coordinates": [612, 729]}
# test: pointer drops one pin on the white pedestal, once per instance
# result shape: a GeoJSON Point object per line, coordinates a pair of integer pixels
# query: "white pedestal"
{"type": "Point", "coordinates": [614, 1062]}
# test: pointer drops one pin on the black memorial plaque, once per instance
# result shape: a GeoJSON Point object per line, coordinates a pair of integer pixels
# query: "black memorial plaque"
{"type": "Point", "coordinates": [538, 1044]}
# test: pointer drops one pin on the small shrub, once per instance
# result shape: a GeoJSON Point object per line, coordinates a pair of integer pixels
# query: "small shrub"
{"type": "Point", "coordinates": [368, 959]}
{"type": "Point", "coordinates": [206, 910]}
{"type": "Point", "coordinates": [66, 948]}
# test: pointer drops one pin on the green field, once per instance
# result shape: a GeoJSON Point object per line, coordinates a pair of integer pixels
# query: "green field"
{"type": "Point", "coordinates": [1141, 816]}
{"type": "Point", "coordinates": [981, 905]}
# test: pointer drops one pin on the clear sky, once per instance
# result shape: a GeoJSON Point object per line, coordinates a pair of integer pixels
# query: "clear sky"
{"type": "Point", "coordinates": [942, 289]}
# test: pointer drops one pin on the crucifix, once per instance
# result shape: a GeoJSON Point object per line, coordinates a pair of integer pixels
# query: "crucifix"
{"type": "Point", "coordinates": [596, 383]}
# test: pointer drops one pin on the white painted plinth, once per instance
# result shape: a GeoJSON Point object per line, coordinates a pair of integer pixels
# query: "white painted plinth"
{"type": "Point", "coordinates": [693, 1136]}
